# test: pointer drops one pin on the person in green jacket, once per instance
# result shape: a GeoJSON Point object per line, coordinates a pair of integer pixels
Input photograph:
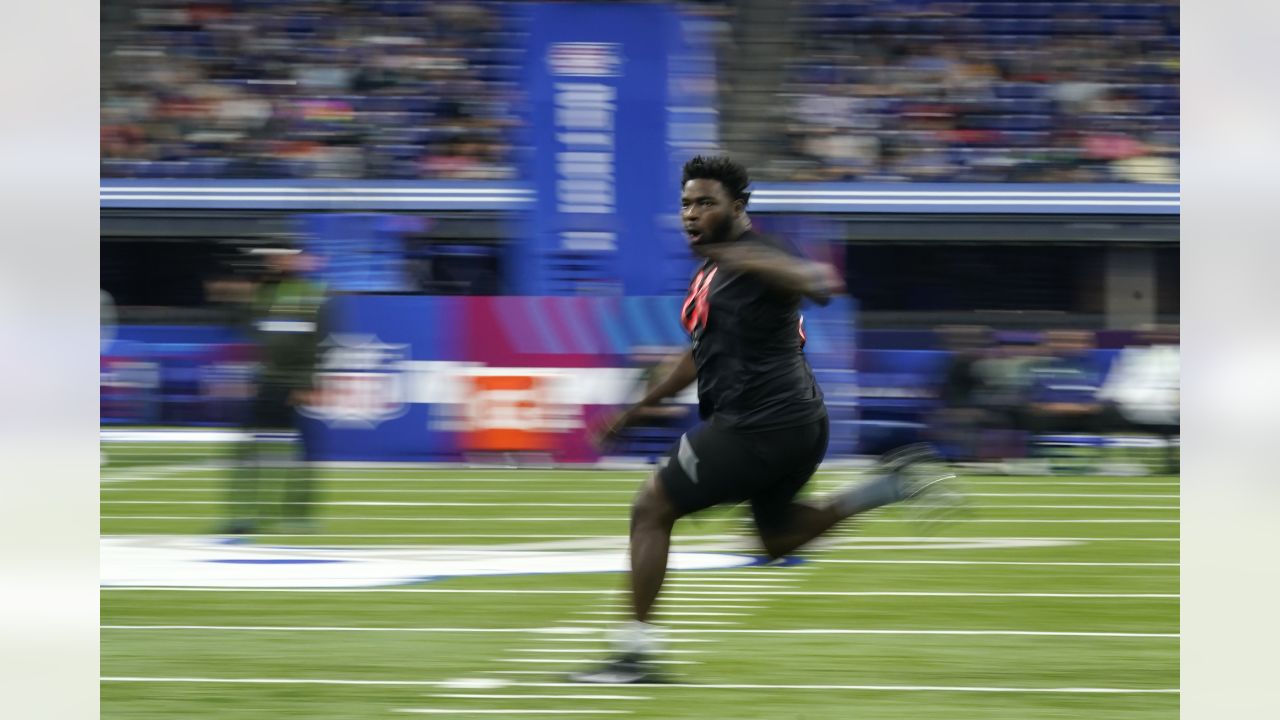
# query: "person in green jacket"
{"type": "Point", "coordinates": [287, 317]}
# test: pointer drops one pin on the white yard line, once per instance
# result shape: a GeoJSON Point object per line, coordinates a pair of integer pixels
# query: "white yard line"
{"type": "Point", "coordinates": [853, 541]}
{"type": "Point", "coordinates": [748, 631]}
{"type": "Point", "coordinates": [692, 603]}
{"type": "Point", "coordinates": [662, 687]}
{"type": "Point", "coordinates": [996, 562]}
{"type": "Point", "coordinates": [504, 503]}
{"type": "Point", "coordinates": [834, 482]}
{"type": "Point", "coordinates": [669, 612]}
{"type": "Point", "coordinates": [578, 651]}
{"type": "Point", "coordinates": [1071, 495]}
{"type": "Point", "coordinates": [455, 711]}
{"type": "Point", "coordinates": [512, 696]}
{"type": "Point", "coordinates": [613, 518]}
{"type": "Point", "coordinates": [976, 521]}
{"type": "Point", "coordinates": [586, 661]}
{"type": "Point", "coordinates": [685, 578]}
{"type": "Point", "coordinates": [677, 585]}
{"type": "Point", "coordinates": [1075, 507]}
{"type": "Point", "coordinates": [665, 622]}
{"type": "Point", "coordinates": [221, 474]}
{"type": "Point", "coordinates": [684, 596]}
{"type": "Point", "coordinates": [407, 518]}
{"type": "Point", "coordinates": [596, 639]}
{"type": "Point", "coordinates": [442, 536]}
{"type": "Point", "coordinates": [598, 518]}
{"type": "Point", "coordinates": [373, 503]}
{"type": "Point", "coordinates": [332, 488]}
{"type": "Point", "coordinates": [874, 593]}
{"type": "Point", "coordinates": [539, 673]}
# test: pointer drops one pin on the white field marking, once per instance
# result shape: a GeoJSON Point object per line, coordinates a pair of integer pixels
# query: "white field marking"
{"type": "Point", "coordinates": [407, 518]}
{"type": "Point", "coordinates": [684, 578]}
{"type": "Point", "coordinates": [147, 472]}
{"type": "Point", "coordinates": [601, 518]}
{"type": "Point", "coordinates": [337, 483]}
{"type": "Point", "coordinates": [663, 686]}
{"type": "Point", "coordinates": [332, 487]}
{"type": "Point", "coordinates": [975, 482]}
{"type": "Point", "coordinates": [586, 660]}
{"type": "Point", "coordinates": [761, 571]}
{"type": "Point", "coordinates": [852, 541]}
{"type": "Point", "coordinates": [748, 631]}
{"type": "Point", "coordinates": [578, 651]}
{"type": "Point", "coordinates": [324, 628]}
{"type": "Point", "coordinates": [443, 536]}
{"type": "Point", "coordinates": [410, 518]}
{"type": "Point", "coordinates": [1072, 495]}
{"type": "Point", "coordinates": [695, 603]}
{"type": "Point", "coordinates": [373, 503]}
{"type": "Point", "coordinates": [539, 673]}
{"type": "Point", "coordinates": [597, 518]}
{"type": "Point", "coordinates": [510, 696]}
{"type": "Point", "coordinates": [995, 562]}
{"type": "Point", "coordinates": [452, 711]}
{"type": "Point", "coordinates": [670, 597]}
{"type": "Point", "coordinates": [670, 612]}
{"type": "Point", "coordinates": [473, 683]}
{"type": "Point", "coordinates": [599, 639]}
{"type": "Point", "coordinates": [221, 491]}
{"type": "Point", "coordinates": [913, 593]}
{"type": "Point", "coordinates": [702, 584]}
{"type": "Point", "coordinates": [615, 518]}
{"type": "Point", "coordinates": [664, 622]}
{"type": "Point", "coordinates": [1076, 507]}
{"type": "Point", "coordinates": [1032, 521]}
{"type": "Point", "coordinates": [215, 474]}
{"type": "Point", "coordinates": [1041, 481]}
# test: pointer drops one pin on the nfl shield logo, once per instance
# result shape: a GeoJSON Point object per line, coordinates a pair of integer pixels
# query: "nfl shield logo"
{"type": "Point", "coordinates": [360, 382]}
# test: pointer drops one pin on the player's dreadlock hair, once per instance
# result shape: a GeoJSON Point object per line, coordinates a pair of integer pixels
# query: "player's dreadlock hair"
{"type": "Point", "coordinates": [730, 174]}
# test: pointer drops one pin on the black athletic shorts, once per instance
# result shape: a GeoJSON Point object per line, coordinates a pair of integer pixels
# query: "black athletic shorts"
{"type": "Point", "coordinates": [715, 466]}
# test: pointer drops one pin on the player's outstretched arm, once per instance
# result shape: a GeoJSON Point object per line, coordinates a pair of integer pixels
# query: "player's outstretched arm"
{"type": "Point", "coordinates": [681, 376]}
{"type": "Point", "coordinates": [815, 280]}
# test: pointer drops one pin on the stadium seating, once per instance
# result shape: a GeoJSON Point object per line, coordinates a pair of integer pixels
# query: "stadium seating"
{"type": "Point", "coordinates": [275, 89]}
{"type": "Point", "coordinates": [1025, 83]}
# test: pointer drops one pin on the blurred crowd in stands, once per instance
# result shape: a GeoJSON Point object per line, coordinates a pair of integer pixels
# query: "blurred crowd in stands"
{"type": "Point", "coordinates": [316, 88]}
{"type": "Point", "coordinates": [876, 90]}
{"type": "Point", "coordinates": [1032, 91]}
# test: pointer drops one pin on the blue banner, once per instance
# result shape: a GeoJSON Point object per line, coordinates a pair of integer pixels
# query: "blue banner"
{"type": "Point", "coordinates": [597, 79]}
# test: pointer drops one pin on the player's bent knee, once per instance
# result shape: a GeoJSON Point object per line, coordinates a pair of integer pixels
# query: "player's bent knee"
{"type": "Point", "coordinates": [652, 506]}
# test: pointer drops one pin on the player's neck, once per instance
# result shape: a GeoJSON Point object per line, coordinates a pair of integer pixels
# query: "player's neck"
{"type": "Point", "coordinates": [740, 227]}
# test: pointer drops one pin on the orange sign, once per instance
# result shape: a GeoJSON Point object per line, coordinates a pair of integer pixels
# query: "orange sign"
{"type": "Point", "coordinates": [507, 414]}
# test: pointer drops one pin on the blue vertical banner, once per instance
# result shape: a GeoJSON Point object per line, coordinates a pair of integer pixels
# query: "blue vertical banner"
{"type": "Point", "coordinates": [598, 81]}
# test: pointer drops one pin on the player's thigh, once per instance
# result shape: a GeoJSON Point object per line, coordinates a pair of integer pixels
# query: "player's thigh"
{"type": "Point", "coordinates": [711, 466]}
{"type": "Point", "coordinates": [791, 456]}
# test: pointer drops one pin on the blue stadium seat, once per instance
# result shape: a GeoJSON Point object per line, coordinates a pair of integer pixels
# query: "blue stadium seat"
{"type": "Point", "coordinates": [1019, 90]}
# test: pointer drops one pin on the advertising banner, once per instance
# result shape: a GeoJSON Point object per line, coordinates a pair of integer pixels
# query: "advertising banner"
{"type": "Point", "coordinates": [422, 378]}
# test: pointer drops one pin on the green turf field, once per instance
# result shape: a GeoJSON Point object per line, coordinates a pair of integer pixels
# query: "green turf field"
{"type": "Point", "coordinates": [1054, 597]}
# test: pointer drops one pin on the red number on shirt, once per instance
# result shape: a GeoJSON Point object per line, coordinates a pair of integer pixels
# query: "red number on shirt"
{"type": "Point", "coordinates": [693, 314]}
